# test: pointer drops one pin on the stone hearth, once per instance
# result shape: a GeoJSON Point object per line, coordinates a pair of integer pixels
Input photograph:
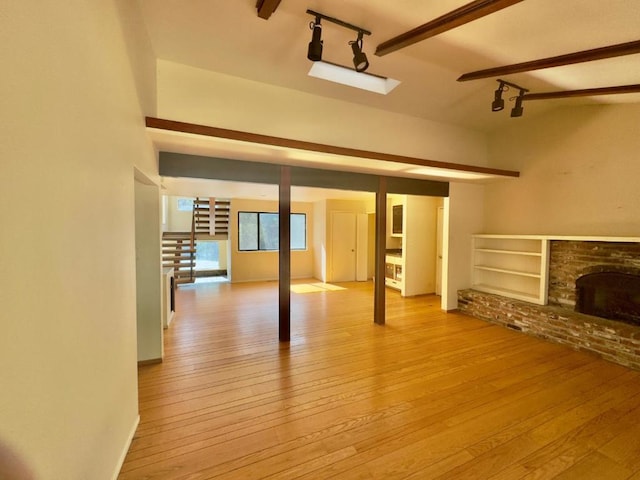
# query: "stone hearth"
{"type": "Point", "coordinates": [558, 321]}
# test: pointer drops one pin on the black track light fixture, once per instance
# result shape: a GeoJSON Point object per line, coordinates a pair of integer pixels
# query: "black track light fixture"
{"type": "Point", "coordinates": [498, 102]}
{"type": "Point", "coordinates": [360, 61]}
{"type": "Point", "coordinates": [517, 109]}
{"type": "Point", "coordinates": [314, 53]}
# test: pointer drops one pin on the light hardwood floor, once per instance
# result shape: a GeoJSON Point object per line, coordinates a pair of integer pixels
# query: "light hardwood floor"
{"type": "Point", "coordinates": [428, 396]}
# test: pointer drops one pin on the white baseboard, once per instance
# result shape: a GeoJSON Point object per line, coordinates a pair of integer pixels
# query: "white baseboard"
{"type": "Point", "coordinates": [125, 450]}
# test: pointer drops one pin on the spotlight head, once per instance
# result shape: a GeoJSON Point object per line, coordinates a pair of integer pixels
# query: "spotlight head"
{"type": "Point", "coordinates": [517, 109]}
{"type": "Point", "coordinates": [360, 61]}
{"type": "Point", "coordinates": [498, 102]}
{"type": "Point", "coordinates": [314, 53]}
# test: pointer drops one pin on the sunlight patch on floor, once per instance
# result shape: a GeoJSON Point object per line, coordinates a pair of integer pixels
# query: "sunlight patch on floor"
{"type": "Point", "coordinates": [315, 287]}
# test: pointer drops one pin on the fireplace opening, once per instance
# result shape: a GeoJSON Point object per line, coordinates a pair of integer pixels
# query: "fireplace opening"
{"type": "Point", "coordinates": [611, 295]}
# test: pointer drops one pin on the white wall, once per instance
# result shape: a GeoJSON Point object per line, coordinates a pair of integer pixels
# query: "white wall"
{"type": "Point", "coordinates": [177, 220]}
{"type": "Point", "coordinates": [72, 130]}
{"type": "Point", "coordinates": [419, 245]}
{"type": "Point", "coordinates": [148, 271]}
{"type": "Point", "coordinates": [194, 95]}
{"type": "Point", "coordinates": [580, 169]}
{"type": "Point", "coordinates": [256, 266]}
{"type": "Point", "coordinates": [463, 210]}
{"type": "Point", "coordinates": [320, 240]}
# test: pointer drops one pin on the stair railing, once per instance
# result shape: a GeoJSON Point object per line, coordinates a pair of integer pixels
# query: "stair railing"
{"type": "Point", "coordinates": [192, 247]}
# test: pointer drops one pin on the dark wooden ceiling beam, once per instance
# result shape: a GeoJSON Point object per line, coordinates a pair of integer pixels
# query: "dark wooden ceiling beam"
{"type": "Point", "coordinates": [587, 92]}
{"type": "Point", "coordinates": [266, 7]}
{"type": "Point", "coordinates": [465, 14]}
{"type": "Point", "coordinates": [174, 126]}
{"type": "Point", "coordinates": [601, 53]}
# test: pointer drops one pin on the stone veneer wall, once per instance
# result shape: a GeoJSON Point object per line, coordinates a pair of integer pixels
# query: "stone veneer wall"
{"type": "Point", "coordinates": [569, 260]}
{"type": "Point", "coordinates": [615, 341]}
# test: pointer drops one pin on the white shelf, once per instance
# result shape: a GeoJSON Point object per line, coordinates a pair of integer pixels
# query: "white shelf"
{"type": "Point", "coordinates": [507, 293]}
{"type": "Point", "coordinates": [517, 266]}
{"type": "Point", "coordinates": [508, 271]}
{"type": "Point", "coordinates": [509, 252]}
{"type": "Point", "coordinates": [577, 238]}
{"type": "Point", "coordinates": [511, 266]}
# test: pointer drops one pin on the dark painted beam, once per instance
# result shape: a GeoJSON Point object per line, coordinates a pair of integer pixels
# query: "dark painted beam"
{"type": "Point", "coordinates": [379, 314]}
{"type": "Point", "coordinates": [587, 92]}
{"type": "Point", "coordinates": [284, 255]}
{"type": "Point", "coordinates": [266, 8]}
{"type": "Point", "coordinates": [196, 166]}
{"type": "Point", "coordinates": [611, 51]}
{"type": "Point", "coordinates": [465, 14]}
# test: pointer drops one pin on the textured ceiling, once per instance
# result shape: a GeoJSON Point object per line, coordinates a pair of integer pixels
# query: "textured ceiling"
{"type": "Point", "coordinates": [228, 37]}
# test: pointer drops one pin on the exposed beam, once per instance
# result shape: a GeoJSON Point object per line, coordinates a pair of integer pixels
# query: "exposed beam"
{"type": "Point", "coordinates": [172, 164]}
{"type": "Point", "coordinates": [171, 125]}
{"type": "Point", "coordinates": [465, 14]}
{"type": "Point", "coordinates": [587, 92]}
{"type": "Point", "coordinates": [618, 50]}
{"type": "Point", "coordinates": [379, 313]}
{"type": "Point", "coordinates": [266, 8]}
{"type": "Point", "coordinates": [284, 255]}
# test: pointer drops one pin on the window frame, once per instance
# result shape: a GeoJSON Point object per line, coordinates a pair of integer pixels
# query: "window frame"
{"type": "Point", "coordinates": [257, 240]}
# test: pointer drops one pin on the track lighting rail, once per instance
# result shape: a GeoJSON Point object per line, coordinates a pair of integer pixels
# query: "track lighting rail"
{"type": "Point", "coordinates": [518, 87]}
{"type": "Point", "coordinates": [339, 22]}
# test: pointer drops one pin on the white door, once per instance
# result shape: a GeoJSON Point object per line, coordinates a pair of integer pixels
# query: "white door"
{"type": "Point", "coordinates": [343, 247]}
{"type": "Point", "coordinates": [440, 217]}
{"type": "Point", "coordinates": [362, 249]}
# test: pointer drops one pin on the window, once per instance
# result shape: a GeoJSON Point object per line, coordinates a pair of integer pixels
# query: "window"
{"type": "Point", "coordinates": [259, 231]}
{"type": "Point", "coordinates": [185, 204]}
{"type": "Point", "coordinates": [207, 255]}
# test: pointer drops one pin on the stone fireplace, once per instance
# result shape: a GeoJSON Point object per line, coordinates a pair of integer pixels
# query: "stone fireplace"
{"type": "Point", "coordinates": [571, 259]}
{"type": "Point", "coordinates": [593, 301]}
{"type": "Point", "coordinates": [609, 294]}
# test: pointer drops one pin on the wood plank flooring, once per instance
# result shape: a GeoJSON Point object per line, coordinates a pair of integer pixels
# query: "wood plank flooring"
{"type": "Point", "coordinates": [428, 396]}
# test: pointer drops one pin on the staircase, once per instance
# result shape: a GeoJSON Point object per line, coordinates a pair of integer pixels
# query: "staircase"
{"type": "Point", "coordinates": [179, 253]}
{"type": "Point", "coordinates": [179, 248]}
{"type": "Point", "coordinates": [202, 208]}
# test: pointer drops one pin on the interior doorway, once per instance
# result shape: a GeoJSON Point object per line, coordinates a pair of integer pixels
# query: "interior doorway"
{"type": "Point", "coordinates": [343, 246]}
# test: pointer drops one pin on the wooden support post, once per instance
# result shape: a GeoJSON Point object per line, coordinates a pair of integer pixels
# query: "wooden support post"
{"type": "Point", "coordinates": [381, 250]}
{"type": "Point", "coordinates": [284, 210]}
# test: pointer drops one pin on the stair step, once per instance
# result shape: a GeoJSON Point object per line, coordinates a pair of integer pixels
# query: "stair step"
{"type": "Point", "coordinates": [177, 258]}
{"type": "Point", "coordinates": [182, 274]}
{"type": "Point", "coordinates": [179, 268]}
{"type": "Point", "coordinates": [184, 280]}
{"type": "Point", "coordinates": [178, 271]}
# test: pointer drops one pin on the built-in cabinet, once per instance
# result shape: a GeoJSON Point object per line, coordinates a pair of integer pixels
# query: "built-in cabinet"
{"type": "Point", "coordinates": [393, 271]}
{"type": "Point", "coordinates": [514, 266]}
{"type": "Point", "coordinates": [411, 244]}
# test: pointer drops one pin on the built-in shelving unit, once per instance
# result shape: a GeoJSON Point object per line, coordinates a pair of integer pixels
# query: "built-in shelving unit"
{"type": "Point", "coordinates": [514, 266]}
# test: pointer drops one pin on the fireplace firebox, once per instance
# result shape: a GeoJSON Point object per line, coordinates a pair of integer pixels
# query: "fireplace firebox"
{"type": "Point", "coordinates": [612, 295]}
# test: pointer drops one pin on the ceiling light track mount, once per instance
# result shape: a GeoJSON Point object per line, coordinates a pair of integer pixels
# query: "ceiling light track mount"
{"type": "Point", "coordinates": [360, 30]}
{"type": "Point", "coordinates": [338, 73]}
{"type": "Point", "coordinates": [498, 102]}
